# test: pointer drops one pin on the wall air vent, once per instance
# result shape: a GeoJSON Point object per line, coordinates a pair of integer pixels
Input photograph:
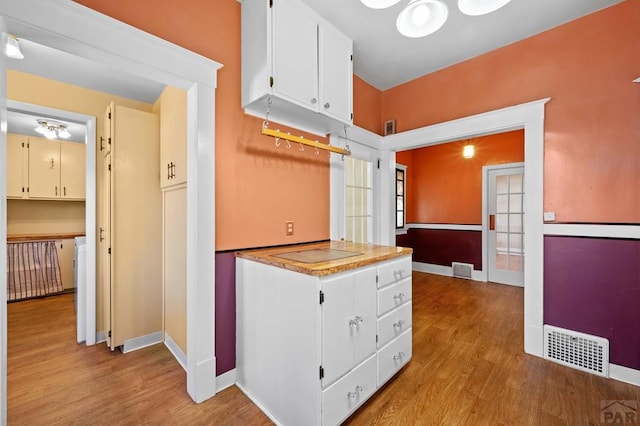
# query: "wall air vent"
{"type": "Point", "coordinates": [462, 270]}
{"type": "Point", "coordinates": [578, 350]}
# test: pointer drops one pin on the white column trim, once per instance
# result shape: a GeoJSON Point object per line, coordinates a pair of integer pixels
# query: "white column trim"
{"type": "Point", "coordinates": [92, 35]}
{"type": "Point", "coordinates": [3, 230]}
{"type": "Point", "coordinates": [593, 230]}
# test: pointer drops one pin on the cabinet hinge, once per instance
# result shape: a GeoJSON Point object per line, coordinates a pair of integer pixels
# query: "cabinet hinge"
{"type": "Point", "coordinates": [109, 333]}
{"type": "Point", "coordinates": [376, 338]}
{"type": "Point", "coordinates": [109, 141]}
{"type": "Point", "coordinates": [270, 3]}
{"type": "Point", "coordinates": [321, 373]}
{"type": "Point", "coordinates": [109, 115]}
{"type": "Point", "coordinates": [376, 279]}
{"type": "Point", "coordinates": [379, 162]}
{"type": "Point", "coordinates": [351, 116]}
{"type": "Point", "coordinates": [27, 189]}
{"type": "Point", "coordinates": [109, 167]}
{"type": "Point", "coordinates": [109, 250]}
{"type": "Point", "coordinates": [352, 57]}
{"type": "Point", "coordinates": [23, 144]}
{"type": "Point", "coordinates": [321, 297]}
{"type": "Point", "coordinates": [270, 81]}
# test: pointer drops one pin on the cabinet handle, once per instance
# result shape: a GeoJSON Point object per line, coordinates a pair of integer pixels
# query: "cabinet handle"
{"type": "Point", "coordinates": [64, 191]}
{"type": "Point", "coordinates": [399, 296]}
{"type": "Point", "coordinates": [52, 163]}
{"type": "Point", "coordinates": [398, 324]}
{"type": "Point", "coordinates": [327, 105]}
{"type": "Point", "coordinates": [399, 273]}
{"type": "Point", "coordinates": [168, 171]}
{"type": "Point", "coordinates": [56, 190]}
{"type": "Point", "coordinates": [173, 170]}
{"type": "Point", "coordinates": [313, 101]}
{"type": "Point", "coordinates": [399, 356]}
{"type": "Point", "coordinates": [355, 322]}
{"type": "Point", "coordinates": [354, 395]}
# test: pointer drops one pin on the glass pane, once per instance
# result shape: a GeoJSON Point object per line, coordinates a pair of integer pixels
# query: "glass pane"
{"type": "Point", "coordinates": [501, 261]}
{"type": "Point", "coordinates": [502, 223]}
{"type": "Point", "coordinates": [515, 263]}
{"type": "Point", "coordinates": [365, 201]}
{"type": "Point", "coordinates": [348, 171]}
{"type": "Point", "coordinates": [515, 203]}
{"type": "Point", "coordinates": [366, 174]}
{"type": "Point", "coordinates": [515, 222]}
{"type": "Point", "coordinates": [399, 174]}
{"type": "Point", "coordinates": [399, 204]}
{"type": "Point", "coordinates": [502, 204]}
{"type": "Point", "coordinates": [366, 226]}
{"type": "Point", "coordinates": [399, 219]}
{"type": "Point", "coordinates": [515, 183]}
{"type": "Point", "coordinates": [357, 170]}
{"type": "Point", "coordinates": [349, 229]}
{"type": "Point", "coordinates": [501, 241]}
{"type": "Point", "coordinates": [357, 230]}
{"type": "Point", "coordinates": [502, 184]}
{"type": "Point", "coordinates": [399, 187]}
{"type": "Point", "coordinates": [358, 202]}
{"type": "Point", "coordinates": [515, 243]}
{"type": "Point", "coordinates": [349, 201]}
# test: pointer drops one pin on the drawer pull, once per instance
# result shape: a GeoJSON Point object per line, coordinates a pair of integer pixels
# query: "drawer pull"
{"type": "Point", "coordinates": [355, 322]}
{"type": "Point", "coordinates": [399, 274]}
{"type": "Point", "coordinates": [399, 356]}
{"type": "Point", "coordinates": [398, 324]}
{"type": "Point", "coordinates": [354, 395]}
{"type": "Point", "coordinates": [399, 296]}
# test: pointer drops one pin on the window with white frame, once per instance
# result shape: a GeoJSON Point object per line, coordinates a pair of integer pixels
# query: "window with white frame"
{"type": "Point", "coordinates": [401, 200]}
{"type": "Point", "coordinates": [358, 200]}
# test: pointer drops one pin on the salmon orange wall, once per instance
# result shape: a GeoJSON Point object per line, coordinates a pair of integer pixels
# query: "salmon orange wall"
{"type": "Point", "coordinates": [258, 186]}
{"type": "Point", "coordinates": [447, 188]}
{"type": "Point", "coordinates": [592, 126]}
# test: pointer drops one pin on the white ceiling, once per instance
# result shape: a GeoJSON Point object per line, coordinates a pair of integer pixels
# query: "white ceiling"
{"type": "Point", "coordinates": [385, 59]}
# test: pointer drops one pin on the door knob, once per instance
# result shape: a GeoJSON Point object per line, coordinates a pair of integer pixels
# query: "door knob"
{"type": "Point", "coordinates": [327, 105]}
{"type": "Point", "coordinates": [313, 101]}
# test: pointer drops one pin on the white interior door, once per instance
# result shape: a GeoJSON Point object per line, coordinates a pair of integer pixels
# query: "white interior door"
{"type": "Point", "coordinates": [506, 225]}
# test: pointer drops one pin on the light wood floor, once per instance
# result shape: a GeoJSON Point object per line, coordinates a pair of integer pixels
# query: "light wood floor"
{"type": "Point", "coordinates": [468, 368]}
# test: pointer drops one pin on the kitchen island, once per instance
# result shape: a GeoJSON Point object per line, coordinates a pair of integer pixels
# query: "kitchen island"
{"type": "Point", "coordinates": [321, 327]}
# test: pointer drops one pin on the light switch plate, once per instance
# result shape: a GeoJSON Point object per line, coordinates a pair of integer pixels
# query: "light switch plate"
{"type": "Point", "coordinates": [549, 216]}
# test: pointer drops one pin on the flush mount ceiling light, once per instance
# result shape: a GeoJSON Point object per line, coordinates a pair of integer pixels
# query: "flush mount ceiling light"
{"type": "Point", "coordinates": [480, 7]}
{"type": "Point", "coordinates": [52, 129]}
{"type": "Point", "coordinates": [421, 18]}
{"type": "Point", "coordinates": [12, 48]}
{"type": "Point", "coordinates": [379, 4]}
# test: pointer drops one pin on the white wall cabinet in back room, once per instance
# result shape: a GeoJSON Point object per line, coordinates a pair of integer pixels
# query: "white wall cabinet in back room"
{"type": "Point", "coordinates": [298, 60]}
{"type": "Point", "coordinates": [17, 166]}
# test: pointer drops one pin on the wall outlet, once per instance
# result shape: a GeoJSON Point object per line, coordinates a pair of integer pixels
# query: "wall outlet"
{"type": "Point", "coordinates": [289, 226]}
{"type": "Point", "coordinates": [549, 216]}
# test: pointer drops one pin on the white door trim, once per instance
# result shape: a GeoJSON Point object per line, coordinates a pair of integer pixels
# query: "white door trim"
{"type": "Point", "coordinates": [529, 116]}
{"type": "Point", "coordinates": [485, 213]}
{"type": "Point", "coordinates": [91, 35]}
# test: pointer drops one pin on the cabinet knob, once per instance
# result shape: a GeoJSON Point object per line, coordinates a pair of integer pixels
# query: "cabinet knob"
{"type": "Point", "coordinates": [354, 395]}
{"type": "Point", "coordinates": [314, 101]}
{"type": "Point", "coordinates": [327, 105]}
{"type": "Point", "coordinates": [355, 322]}
{"type": "Point", "coordinates": [398, 324]}
{"type": "Point", "coordinates": [399, 356]}
{"type": "Point", "coordinates": [399, 296]}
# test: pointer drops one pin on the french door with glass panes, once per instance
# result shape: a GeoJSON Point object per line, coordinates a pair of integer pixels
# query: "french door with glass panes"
{"type": "Point", "coordinates": [358, 200]}
{"type": "Point", "coordinates": [506, 231]}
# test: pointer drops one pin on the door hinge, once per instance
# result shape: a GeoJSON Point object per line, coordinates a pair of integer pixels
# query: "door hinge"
{"type": "Point", "coordinates": [352, 57]}
{"type": "Point", "coordinates": [109, 141]}
{"type": "Point", "coordinates": [321, 297]}
{"type": "Point", "coordinates": [351, 116]}
{"type": "Point", "coordinates": [379, 162]}
{"type": "Point", "coordinates": [109, 250]}
{"type": "Point", "coordinates": [321, 373]}
{"type": "Point", "coordinates": [109, 115]}
{"type": "Point", "coordinates": [376, 279]}
{"type": "Point", "coordinates": [109, 167]}
{"type": "Point", "coordinates": [271, 81]}
{"type": "Point", "coordinates": [23, 189]}
{"type": "Point", "coordinates": [109, 333]}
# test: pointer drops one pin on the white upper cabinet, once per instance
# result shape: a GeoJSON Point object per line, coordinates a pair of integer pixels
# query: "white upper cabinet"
{"type": "Point", "coordinates": [298, 60]}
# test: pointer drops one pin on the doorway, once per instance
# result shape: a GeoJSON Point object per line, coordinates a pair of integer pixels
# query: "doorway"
{"type": "Point", "coordinates": [504, 194]}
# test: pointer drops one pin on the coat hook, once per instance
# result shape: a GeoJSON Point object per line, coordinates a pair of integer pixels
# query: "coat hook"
{"type": "Point", "coordinates": [301, 147]}
{"type": "Point", "coordinates": [288, 144]}
{"type": "Point", "coordinates": [317, 152]}
{"type": "Point", "coordinates": [277, 141]}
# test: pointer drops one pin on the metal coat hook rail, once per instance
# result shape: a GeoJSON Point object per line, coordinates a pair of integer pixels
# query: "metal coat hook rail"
{"type": "Point", "coordinates": [301, 140]}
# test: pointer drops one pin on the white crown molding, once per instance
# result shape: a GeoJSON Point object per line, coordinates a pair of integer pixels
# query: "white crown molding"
{"type": "Point", "coordinates": [597, 231]}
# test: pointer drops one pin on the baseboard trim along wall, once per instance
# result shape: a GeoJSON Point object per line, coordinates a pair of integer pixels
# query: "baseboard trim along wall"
{"type": "Point", "coordinates": [225, 380]}
{"type": "Point", "coordinates": [141, 342]}
{"type": "Point", "coordinates": [447, 271]}
{"type": "Point", "coordinates": [624, 374]}
{"type": "Point", "coordinates": [175, 351]}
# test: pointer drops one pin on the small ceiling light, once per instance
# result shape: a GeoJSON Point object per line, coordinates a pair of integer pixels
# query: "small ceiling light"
{"type": "Point", "coordinates": [421, 18]}
{"type": "Point", "coordinates": [379, 4]}
{"type": "Point", "coordinates": [468, 151]}
{"type": "Point", "coordinates": [480, 7]}
{"type": "Point", "coordinates": [13, 48]}
{"type": "Point", "coordinates": [52, 129]}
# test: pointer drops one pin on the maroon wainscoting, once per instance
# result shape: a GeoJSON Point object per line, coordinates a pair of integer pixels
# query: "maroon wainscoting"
{"type": "Point", "coordinates": [225, 312]}
{"type": "Point", "coordinates": [442, 246]}
{"type": "Point", "coordinates": [592, 285]}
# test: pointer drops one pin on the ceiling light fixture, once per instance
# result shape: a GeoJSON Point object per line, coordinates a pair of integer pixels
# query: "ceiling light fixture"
{"type": "Point", "coordinates": [480, 7]}
{"type": "Point", "coordinates": [379, 4]}
{"type": "Point", "coordinates": [52, 129]}
{"type": "Point", "coordinates": [12, 48]}
{"type": "Point", "coordinates": [421, 18]}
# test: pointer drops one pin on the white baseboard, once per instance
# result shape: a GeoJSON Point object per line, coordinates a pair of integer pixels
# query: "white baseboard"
{"type": "Point", "coordinates": [100, 337]}
{"type": "Point", "coordinates": [225, 380]}
{"type": "Point", "coordinates": [447, 271]}
{"type": "Point", "coordinates": [259, 404]}
{"type": "Point", "coordinates": [624, 374]}
{"type": "Point", "coordinates": [141, 342]}
{"type": "Point", "coordinates": [176, 351]}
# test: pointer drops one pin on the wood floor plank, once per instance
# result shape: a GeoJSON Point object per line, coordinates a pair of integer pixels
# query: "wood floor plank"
{"type": "Point", "coordinates": [468, 368]}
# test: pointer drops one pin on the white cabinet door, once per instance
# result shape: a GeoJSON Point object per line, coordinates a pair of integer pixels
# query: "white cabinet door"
{"type": "Point", "coordinates": [336, 74]}
{"type": "Point", "coordinates": [348, 321]}
{"type": "Point", "coordinates": [295, 54]}
{"type": "Point", "coordinates": [44, 168]}
{"type": "Point", "coordinates": [16, 172]}
{"type": "Point", "coordinates": [72, 170]}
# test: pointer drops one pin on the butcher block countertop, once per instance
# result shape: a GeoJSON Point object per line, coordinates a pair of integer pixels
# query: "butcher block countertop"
{"type": "Point", "coordinates": [324, 258]}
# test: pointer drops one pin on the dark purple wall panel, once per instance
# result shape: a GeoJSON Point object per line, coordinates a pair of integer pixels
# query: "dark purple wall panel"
{"type": "Point", "coordinates": [441, 246]}
{"type": "Point", "coordinates": [592, 285]}
{"type": "Point", "coordinates": [225, 312]}
{"type": "Point", "coordinates": [403, 240]}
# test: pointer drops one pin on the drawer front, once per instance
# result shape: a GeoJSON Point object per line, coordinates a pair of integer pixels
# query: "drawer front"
{"type": "Point", "coordinates": [393, 324]}
{"type": "Point", "coordinates": [393, 296]}
{"type": "Point", "coordinates": [394, 356]}
{"type": "Point", "coordinates": [342, 398]}
{"type": "Point", "coordinates": [394, 270]}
